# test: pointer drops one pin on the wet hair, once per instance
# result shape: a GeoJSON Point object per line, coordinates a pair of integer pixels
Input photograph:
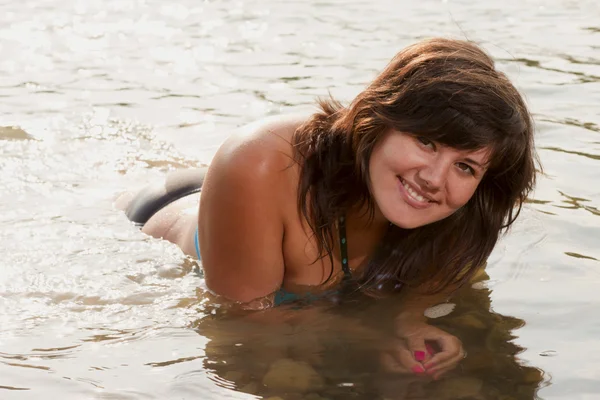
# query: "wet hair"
{"type": "Point", "coordinates": [449, 92]}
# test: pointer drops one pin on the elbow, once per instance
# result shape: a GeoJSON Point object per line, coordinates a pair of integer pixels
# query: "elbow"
{"type": "Point", "coordinates": [238, 290]}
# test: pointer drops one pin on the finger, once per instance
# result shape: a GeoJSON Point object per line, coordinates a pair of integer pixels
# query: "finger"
{"type": "Point", "coordinates": [451, 348]}
{"type": "Point", "coordinates": [392, 364]}
{"type": "Point", "coordinates": [399, 359]}
{"type": "Point", "coordinates": [407, 359]}
{"type": "Point", "coordinates": [418, 348]}
{"type": "Point", "coordinates": [440, 359]}
{"type": "Point", "coordinates": [441, 372]}
{"type": "Point", "coordinates": [450, 362]}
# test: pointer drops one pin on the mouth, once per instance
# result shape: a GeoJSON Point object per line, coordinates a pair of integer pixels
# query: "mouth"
{"type": "Point", "coordinates": [413, 196]}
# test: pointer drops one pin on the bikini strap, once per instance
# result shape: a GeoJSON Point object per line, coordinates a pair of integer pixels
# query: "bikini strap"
{"type": "Point", "coordinates": [344, 247]}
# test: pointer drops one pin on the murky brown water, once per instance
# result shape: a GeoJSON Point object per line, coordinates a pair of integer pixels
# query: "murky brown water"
{"type": "Point", "coordinates": [109, 95]}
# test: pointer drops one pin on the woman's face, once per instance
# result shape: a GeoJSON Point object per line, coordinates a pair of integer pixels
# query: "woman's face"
{"type": "Point", "coordinates": [415, 181]}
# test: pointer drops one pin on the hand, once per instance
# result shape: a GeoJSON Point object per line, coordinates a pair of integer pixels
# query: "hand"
{"type": "Point", "coordinates": [422, 349]}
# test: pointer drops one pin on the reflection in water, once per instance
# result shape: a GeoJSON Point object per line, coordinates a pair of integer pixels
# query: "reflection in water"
{"type": "Point", "coordinates": [578, 153]}
{"type": "Point", "coordinates": [577, 255]}
{"type": "Point", "coordinates": [575, 203]}
{"type": "Point", "coordinates": [573, 122]}
{"type": "Point", "coordinates": [101, 96]}
{"type": "Point", "coordinates": [581, 76]}
{"type": "Point", "coordinates": [332, 352]}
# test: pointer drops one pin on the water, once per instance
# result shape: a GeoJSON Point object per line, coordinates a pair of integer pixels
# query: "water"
{"type": "Point", "coordinates": [109, 95]}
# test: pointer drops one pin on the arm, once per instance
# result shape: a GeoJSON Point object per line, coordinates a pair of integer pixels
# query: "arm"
{"type": "Point", "coordinates": [240, 220]}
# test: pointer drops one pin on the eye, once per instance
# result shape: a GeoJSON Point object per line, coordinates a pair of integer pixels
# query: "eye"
{"type": "Point", "coordinates": [426, 142]}
{"type": "Point", "coordinates": [466, 168]}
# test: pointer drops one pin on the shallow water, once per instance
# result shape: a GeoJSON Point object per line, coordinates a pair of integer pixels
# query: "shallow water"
{"type": "Point", "coordinates": [109, 95]}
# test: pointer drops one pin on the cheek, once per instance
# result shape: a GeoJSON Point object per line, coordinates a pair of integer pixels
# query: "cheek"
{"type": "Point", "coordinates": [461, 194]}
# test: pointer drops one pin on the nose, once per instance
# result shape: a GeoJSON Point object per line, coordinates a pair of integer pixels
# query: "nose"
{"type": "Point", "coordinates": [433, 175]}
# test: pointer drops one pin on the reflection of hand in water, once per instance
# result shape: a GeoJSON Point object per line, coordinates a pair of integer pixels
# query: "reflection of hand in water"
{"type": "Point", "coordinates": [422, 349]}
{"type": "Point", "coordinates": [491, 371]}
{"type": "Point", "coordinates": [335, 352]}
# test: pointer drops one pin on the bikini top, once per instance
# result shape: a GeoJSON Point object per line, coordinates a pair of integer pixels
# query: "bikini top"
{"type": "Point", "coordinates": [283, 296]}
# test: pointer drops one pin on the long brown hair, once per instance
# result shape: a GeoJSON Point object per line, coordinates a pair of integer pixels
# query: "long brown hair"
{"type": "Point", "coordinates": [450, 92]}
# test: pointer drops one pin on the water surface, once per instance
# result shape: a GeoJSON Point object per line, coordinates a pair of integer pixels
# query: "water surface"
{"type": "Point", "coordinates": [97, 97]}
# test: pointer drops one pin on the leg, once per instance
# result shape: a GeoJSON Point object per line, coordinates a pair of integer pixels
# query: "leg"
{"type": "Point", "coordinates": [168, 210]}
{"type": "Point", "coordinates": [176, 223]}
{"type": "Point", "coordinates": [153, 198]}
{"type": "Point", "coordinates": [123, 200]}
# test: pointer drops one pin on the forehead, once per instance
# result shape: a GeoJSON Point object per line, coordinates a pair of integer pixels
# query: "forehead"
{"type": "Point", "coordinates": [482, 156]}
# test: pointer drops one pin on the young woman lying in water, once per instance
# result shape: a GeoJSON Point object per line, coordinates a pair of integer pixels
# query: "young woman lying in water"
{"type": "Point", "coordinates": [406, 189]}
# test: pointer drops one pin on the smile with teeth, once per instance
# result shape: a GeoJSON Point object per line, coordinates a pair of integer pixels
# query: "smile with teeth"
{"type": "Point", "coordinates": [414, 195]}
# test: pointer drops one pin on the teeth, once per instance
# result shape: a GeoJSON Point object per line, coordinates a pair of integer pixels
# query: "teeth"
{"type": "Point", "coordinates": [413, 194]}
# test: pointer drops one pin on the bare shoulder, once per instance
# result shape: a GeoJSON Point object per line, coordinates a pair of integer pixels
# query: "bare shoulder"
{"type": "Point", "coordinates": [260, 151]}
{"type": "Point", "coordinates": [268, 140]}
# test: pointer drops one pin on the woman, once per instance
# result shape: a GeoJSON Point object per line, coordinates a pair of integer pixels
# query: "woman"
{"type": "Point", "coordinates": [406, 189]}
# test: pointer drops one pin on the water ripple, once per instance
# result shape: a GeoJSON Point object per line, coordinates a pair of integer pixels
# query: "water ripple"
{"type": "Point", "coordinates": [99, 97]}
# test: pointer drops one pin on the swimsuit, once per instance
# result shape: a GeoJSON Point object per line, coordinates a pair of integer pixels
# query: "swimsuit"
{"type": "Point", "coordinates": [185, 182]}
{"type": "Point", "coordinates": [153, 198]}
{"type": "Point", "coordinates": [283, 296]}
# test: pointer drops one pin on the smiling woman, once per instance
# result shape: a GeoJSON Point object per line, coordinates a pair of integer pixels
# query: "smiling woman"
{"type": "Point", "coordinates": [406, 189]}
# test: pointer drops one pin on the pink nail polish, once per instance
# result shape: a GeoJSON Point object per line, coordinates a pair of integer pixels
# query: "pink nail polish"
{"type": "Point", "coordinates": [417, 369]}
{"type": "Point", "coordinates": [419, 355]}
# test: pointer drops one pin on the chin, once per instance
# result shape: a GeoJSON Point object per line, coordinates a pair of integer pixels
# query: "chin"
{"type": "Point", "coordinates": [412, 224]}
{"type": "Point", "coordinates": [407, 225]}
{"type": "Point", "coordinates": [402, 219]}
{"type": "Point", "coordinates": [402, 222]}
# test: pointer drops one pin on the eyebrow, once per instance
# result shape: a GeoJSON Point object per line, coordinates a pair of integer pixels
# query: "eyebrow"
{"type": "Point", "coordinates": [471, 161]}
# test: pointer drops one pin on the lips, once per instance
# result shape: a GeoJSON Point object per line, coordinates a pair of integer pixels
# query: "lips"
{"type": "Point", "coordinates": [414, 196]}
